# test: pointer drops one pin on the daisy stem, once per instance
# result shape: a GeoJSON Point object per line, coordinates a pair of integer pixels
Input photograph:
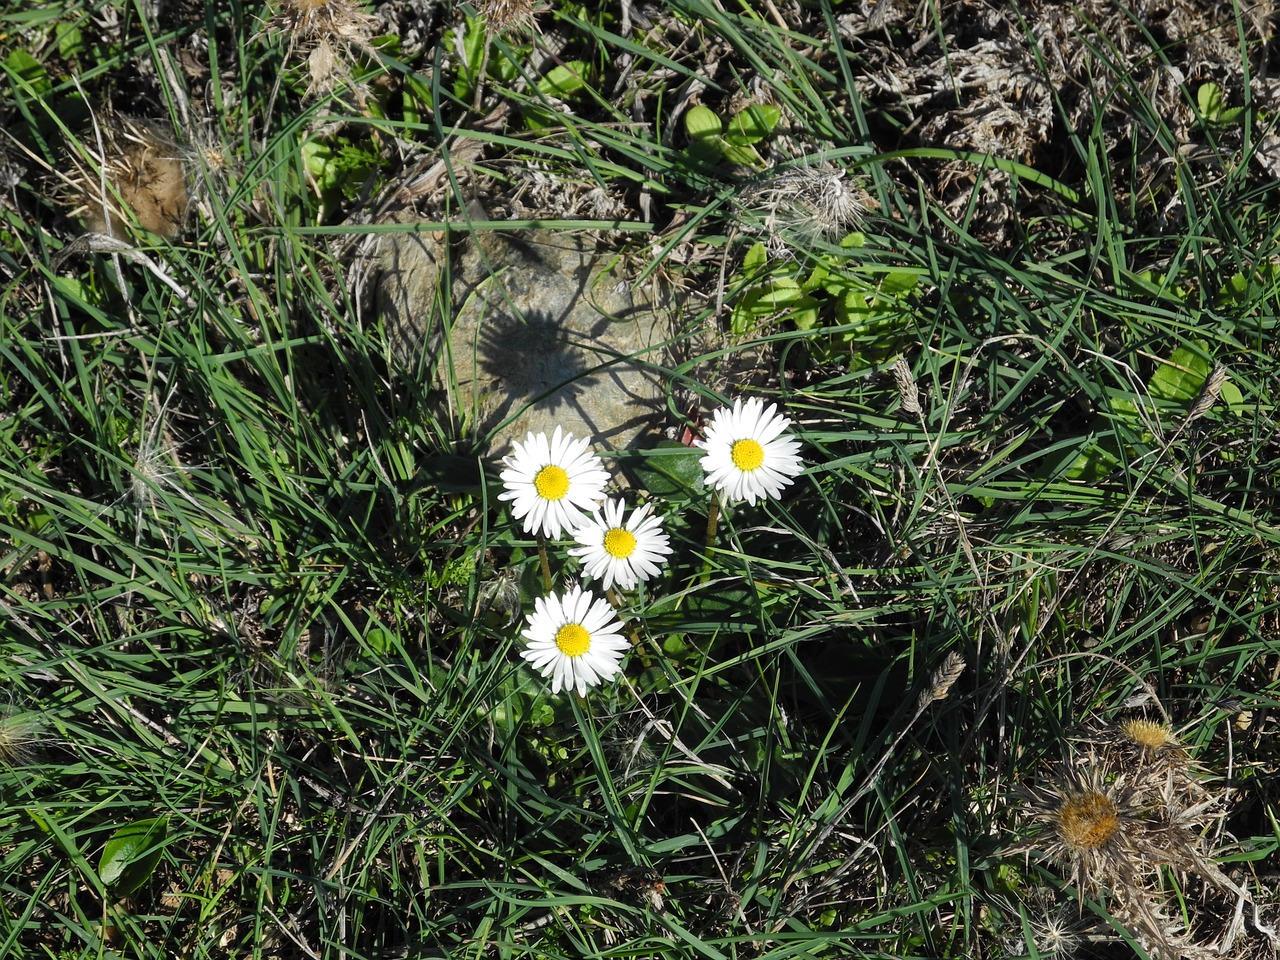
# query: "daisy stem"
{"type": "Point", "coordinates": [713, 519]}
{"type": "Point", "coordinates": [546, 564]}
{"type": "Point", "coordinates": [612, 597]}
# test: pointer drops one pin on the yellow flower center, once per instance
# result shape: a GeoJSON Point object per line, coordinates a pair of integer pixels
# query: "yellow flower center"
{"type": "Point", "coordinates": [573, 639]}
{"type": "Point", "coordinates": [619, 543]}
{"type": "Point", "coordinates": [747, 454]}
{"type": "Point", "coordinates": [552, 483]}
{"type": "Point", "coordinates": [1087, 821]}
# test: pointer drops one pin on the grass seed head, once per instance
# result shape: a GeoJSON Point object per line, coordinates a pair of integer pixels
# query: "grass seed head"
{"type": "Point", "coordinates": [945, 677]}
{"type": "Point", "coordinates": [21, 734]}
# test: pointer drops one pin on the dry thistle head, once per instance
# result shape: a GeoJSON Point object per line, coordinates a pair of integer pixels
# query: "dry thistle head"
{"type": "Point", "coordinates": [1146, 749]}
{"type": "Point", "coordinates": [328, 31]}
{"type": "Point", "coordinates": [799, 204]}
{"type": "Point", "coordinates": [508, 16]}
{"type": "Point", "coordinates": [1090, 824]}
{"type": "Point", "coordinates": [306, 21]}
{"type": "Point", "coordinates": [133, 173]}
{"type": "Point", "coordinates": [1119, 831]}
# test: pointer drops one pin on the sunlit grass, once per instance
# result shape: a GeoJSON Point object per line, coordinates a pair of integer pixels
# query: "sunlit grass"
{"type": "Point", "coordinates": [256, 586]}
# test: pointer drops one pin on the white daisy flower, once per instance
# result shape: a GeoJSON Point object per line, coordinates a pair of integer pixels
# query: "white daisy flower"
{"type": "Point", "coordinates": [750, 455]}
{"type": "Point", "coordinates": [575, 640]}
{"type": "Point", "coordinates": [552, 484]}
{"type": "Point", "coordinates": [621, 553]}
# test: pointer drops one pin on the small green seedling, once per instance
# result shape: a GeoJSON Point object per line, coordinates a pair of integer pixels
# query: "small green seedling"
{"type": "Point", "coordinates": [1213, 108]}
{"type": "Point", "coordinates": [710, 142]}
{"type": "Point", "coordinates": [853, 307]}
{"type": "Point", "coordinates": [564, 82]}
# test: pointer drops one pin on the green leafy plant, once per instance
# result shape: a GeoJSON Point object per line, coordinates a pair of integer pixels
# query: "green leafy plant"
{"type": "Point", "coordinates": [565, 82]}
{"type": "Point", "coordinates": [849, 308]}
{"type": "Point", "coordinates": [1171, 391]}
{"type": "Point", "coordinates": [1212, 105]}
{"type": "Point", "coordinates": [710, 141]}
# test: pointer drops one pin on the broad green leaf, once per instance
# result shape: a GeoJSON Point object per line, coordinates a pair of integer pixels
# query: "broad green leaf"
{"type": "Point", "coordinates": [753, 124]}
{"type": "Point", "coordinates": [318, 158]}
{"type": "Point", "coordinates": [742, 155]}
{"type": "Point", "coordinates": [701, 123]}
{"type": "Point", "coordinates": [756, 260]}
{"type": "Point", "coordinates": [474, 40]}
{"type": "Point", "coordinates": [768, 299]}
{"type": "Point", "coordinates": [1244, 289]}
{"type": "Point", "coordinates": [677, 474]}
{"type": "Point", "coordinates": [381, 641]}
{"type": "Point", "coordinates": [779, 293]}
{"type": "Point", "coordinates": [1099, 459]}
{"type": "Point", "coordinates": [806, 313]}
{"type": "Point", "coordinates": [1231, 395]}
{"type": "Point", "coordinates": [1209, 99]}
{"type": "Point", "coordinates": [899, 282]}
{"type": "Point", "coordinates": [853, 307]}
{"type": "Point", "coordinates": [24, 66]}
{"type": "Point", "coordinates": [131, 855]}
{"type": "Point", "coordinates": [70, 40]}
{"type": "Point", "coordinates": [565, 80]}
{"type": "Point", "coordinates": [1181, 378]}
{"type": "Point", "coordinates": [1213, 107]}
{"type": "Point", "coordinates": [817, 277]}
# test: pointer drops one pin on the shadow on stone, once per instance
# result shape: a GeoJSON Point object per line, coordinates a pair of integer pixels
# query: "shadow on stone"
{"type": "Point", "coordinates": [542, 331]}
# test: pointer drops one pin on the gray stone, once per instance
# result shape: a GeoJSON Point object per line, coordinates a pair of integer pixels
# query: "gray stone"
{"type": "Point", "coordinates": [544, 330]}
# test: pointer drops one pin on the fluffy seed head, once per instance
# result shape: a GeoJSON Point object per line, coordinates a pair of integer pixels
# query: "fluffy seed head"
{"type": "Point", "coordinates": [128, 171]}
{"type": "Point", "coordinates": [1055, 936]}
{"type": "Point", "coordinates": [796, 205]}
